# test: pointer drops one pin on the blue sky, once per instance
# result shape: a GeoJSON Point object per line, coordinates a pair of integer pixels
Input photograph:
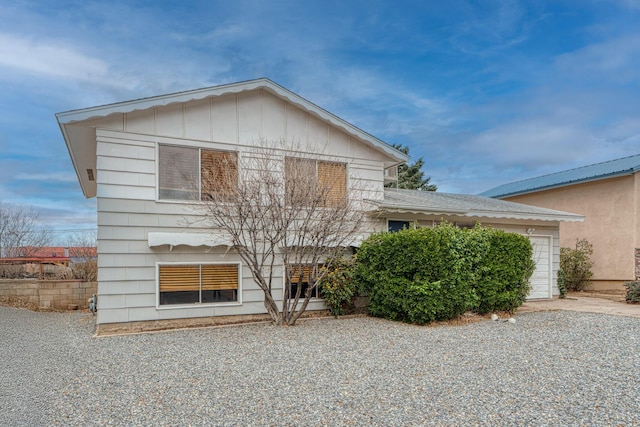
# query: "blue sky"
{"type": "Point", "coordinates": [488, 92]}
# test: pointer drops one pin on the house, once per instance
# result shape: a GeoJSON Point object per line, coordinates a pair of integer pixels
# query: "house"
{"type": "Point", "coordinates": [607, 194]}
{"type": "Point", "coordinates": [133, 155]}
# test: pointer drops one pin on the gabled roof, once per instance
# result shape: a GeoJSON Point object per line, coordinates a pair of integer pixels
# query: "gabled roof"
{"type": "Point", "coordinates": [81, 140]}
{"type": "Point", "coordinates": [465, 205]}
{"type": "Point", "coordinates": [612, 168]}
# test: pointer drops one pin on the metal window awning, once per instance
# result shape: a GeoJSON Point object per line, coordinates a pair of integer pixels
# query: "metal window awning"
{"type": "Point", "coordinates": [188, 239]}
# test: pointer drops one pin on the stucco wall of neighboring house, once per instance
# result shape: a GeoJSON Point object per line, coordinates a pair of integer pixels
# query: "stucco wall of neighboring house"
{"type": "Point", "coordinates": [128, 207]}
{"type": "Point", "coordinates": [523, 227]}
{"type": "Point", "coordinates": [610, 208]}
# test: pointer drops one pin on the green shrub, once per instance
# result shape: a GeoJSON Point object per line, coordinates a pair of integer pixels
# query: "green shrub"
{"type": "Point", "coordinates": [633, 292]}
{"type": "Point", "coordinates": [576, 264]}
{"type": "Point", "coordinates": [503, 273]}
{"type": "Point", "coordinates": [419, 275]}
{"type": "Point", "coordinates": [429, 274]}
{"type": "Point", "coordinates": [338, 287]}
{"type": "Point", "coordinates": [561, 286]}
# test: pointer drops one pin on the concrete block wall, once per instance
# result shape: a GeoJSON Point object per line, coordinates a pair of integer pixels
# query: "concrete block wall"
{"type": "Point", "coordinates": [49, 294]}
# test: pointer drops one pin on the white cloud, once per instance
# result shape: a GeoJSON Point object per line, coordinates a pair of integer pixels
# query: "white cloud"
{"type": "Point", "coordinates": [47, 177]}
{"type": "Point", "coordinates": [615, 60]}
{"type": "Point", "coordinates": [49, 58]}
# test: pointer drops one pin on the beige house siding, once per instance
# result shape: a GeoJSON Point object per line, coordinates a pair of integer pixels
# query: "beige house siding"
{"type": "Point", "coordinates": [611, 208]}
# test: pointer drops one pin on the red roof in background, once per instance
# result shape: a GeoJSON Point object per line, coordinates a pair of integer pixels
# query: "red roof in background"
{"type": "Point", "coordinates": [59, 252]}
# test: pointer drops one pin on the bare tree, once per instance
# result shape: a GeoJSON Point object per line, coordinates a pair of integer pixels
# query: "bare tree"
{"type": "Point", "coordinates": [83, 252]}
{"type": "Point", "coordinates": [282, 211]}
{"type": "Point", "coordinates": [20, 233]}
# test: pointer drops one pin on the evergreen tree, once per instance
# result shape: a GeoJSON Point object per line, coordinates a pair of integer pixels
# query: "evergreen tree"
{"type": "Point", "coordinates": [411, 177]}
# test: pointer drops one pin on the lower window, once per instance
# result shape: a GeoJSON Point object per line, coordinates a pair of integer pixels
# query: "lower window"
{"type": "Point", "coordinates": [396, 225]}
{"type": "Point", "coordinates": [300, 277]}
{"type": "Point", "coordinates": [197, 283]}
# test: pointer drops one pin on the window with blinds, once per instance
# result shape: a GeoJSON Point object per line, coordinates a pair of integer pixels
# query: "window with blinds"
{"type": "Point", "coordinates": [218, 172]}
{"type": "Point", "coordinates": [187, 173]}
{"type": "Point", "coordinates": [197, 283]}
{"type": "Point", "coordinates": [300, 276]}
{"type": "Point", "coordinates": [177, 172]}
{"type": "Point", "coordinates": [332, 182]}
{"type": "Point", "coordinates": [329, 181]}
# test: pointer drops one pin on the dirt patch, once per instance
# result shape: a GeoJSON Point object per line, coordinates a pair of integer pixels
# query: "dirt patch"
{"type": "Point", "coordinates": [17, 303]}
{"type": "Point", "coordinates": [611, 295]}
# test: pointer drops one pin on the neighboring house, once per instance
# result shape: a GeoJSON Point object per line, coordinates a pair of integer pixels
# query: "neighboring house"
{"type": "Point", "coordinates": [608, 196]}
{"type": "Point", "coordinates": [66, 251]}
{"type": "Point", "coordinates": [133, 155]}
{"type": "Point", "coordinates": [57, 255]}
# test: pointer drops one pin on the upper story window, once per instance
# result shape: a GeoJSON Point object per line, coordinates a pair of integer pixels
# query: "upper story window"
{"type": "Point", "coordinates": [315, 180]}
{"type": "Point", "coordinates": [188, 173]}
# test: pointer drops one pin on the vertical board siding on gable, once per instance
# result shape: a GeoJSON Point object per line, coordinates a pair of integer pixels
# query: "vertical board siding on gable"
{"type": "Point", "coordinates": [273, 117]}
{"type": "Point", "coordinates": [250, 116]}
{"type": "Point", "coordinates": [224, 118]}
{"type": "Point", "coordinates": [297, 126]}
{"type": "Point", "coordinates": [197, 116]}
{"type": "Point", "coordinates": [142, 122]}
{"type": "Point", "coordinates": [169, 121]}
{"type": "Point", "coordinates": [319, 135]}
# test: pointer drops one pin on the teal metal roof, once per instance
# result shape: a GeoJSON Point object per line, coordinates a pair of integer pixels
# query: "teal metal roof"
{"type": "Point", "coordinates": [612, 168]}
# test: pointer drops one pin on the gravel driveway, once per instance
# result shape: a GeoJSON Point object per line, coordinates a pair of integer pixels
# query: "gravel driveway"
{"type": "Point", "coordinates": [550, 368]}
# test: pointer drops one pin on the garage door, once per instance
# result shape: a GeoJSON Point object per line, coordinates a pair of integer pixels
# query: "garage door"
{"type": "Point", "coordinates": [542, 278]}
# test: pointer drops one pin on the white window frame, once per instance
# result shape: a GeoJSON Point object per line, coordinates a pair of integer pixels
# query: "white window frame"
{"type": "Point", "coordinates": [198, 305]}
{"type": "Point", "coordinates": [316, 160]}
{"type": "Point", "coordinates": [285, 284]}
{"type": "Point", "coordinates": [411, 222]}
{"type": "Point", "coordinates": [199, 166]}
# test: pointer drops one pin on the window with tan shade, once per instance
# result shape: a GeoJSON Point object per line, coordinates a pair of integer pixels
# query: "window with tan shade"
{"type": "Point", "coordinates": [198, 283]}
{"type": "Point", "coordinates": [190, 173]}
{"type": "Point", "coordinates": [332, 181]}
{"type": "Point", "coordinates": [325, 180]}
{"type": "Point", "coordinates": [218, 172]}
{"type": "Point", "coordinates": [301, 276]}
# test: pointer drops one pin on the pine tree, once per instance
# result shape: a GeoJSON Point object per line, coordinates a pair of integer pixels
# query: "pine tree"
{"type": "Point", "coordinates": [411, 177]}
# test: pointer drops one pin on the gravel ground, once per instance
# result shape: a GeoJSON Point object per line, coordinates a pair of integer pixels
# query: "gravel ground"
{"type": "Point", "coordinates": [551, 368]}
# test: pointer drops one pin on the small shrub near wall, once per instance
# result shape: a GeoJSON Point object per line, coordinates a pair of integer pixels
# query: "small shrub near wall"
{"type": "Point", "coordinates": [338, 287]}
{"type": "Point", "coordinates": [431, 274]}
{"type": "Point", "coordinates": [633, 292]}
{"type": "Point", "coordinates": [575, 266]}
{"type": "Point", "coordinates": [502, 276]}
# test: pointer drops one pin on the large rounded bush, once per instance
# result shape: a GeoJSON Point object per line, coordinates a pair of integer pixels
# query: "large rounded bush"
{"type": "Point", "coordinates": [502, 276]}
{"type": "Point", "coordinates": [418, 275]}
{"type": "Point", "coordinates": [431, 274]}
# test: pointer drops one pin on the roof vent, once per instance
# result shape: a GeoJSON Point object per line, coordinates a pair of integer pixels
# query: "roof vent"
{"type": "Point", "coordinates": [90, 175]}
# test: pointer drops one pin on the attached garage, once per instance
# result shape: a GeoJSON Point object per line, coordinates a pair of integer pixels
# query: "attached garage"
{"type": "Point", "coordinates": [427, 208]}
{"type": "Point", "coordinates": [542, 278]}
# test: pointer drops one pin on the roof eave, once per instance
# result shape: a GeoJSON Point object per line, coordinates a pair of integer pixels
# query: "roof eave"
{"type": "Point", "coordinates": [418, 210]}
{"type": "Point", "coordinates": [626, 172]}
{"type": "Point", "coordinates": [74, 162]}
{"type": "Point", "coordinates": [552, 217]}
{"type": "Point", "coordinates": [526, 216]}
{"type": "Point", "coordinates": [73, 116]}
